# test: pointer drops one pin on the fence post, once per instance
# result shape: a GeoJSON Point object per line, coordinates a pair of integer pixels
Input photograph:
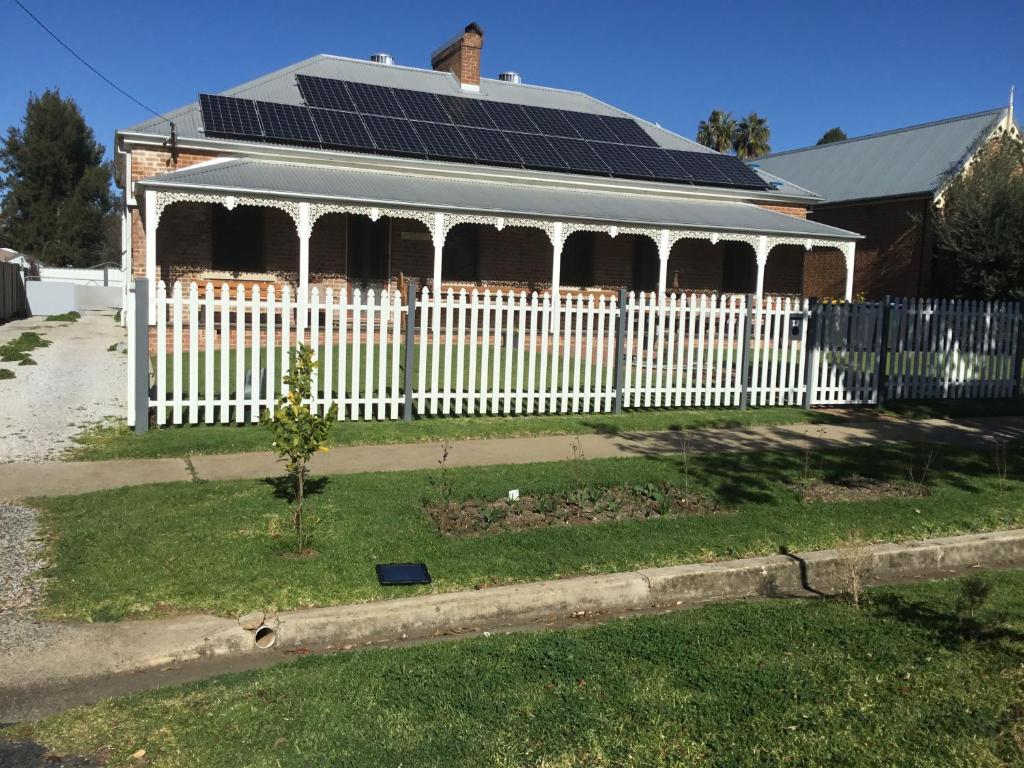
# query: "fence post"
{"type": "Point", "coordinates": [410, 340]}
{"type": "Point", "coordinates": [141, 354]}
{"type": "Point", "coordinates": [620, 352]}
{"type": "Point", "coordinates": [810, 353]}
{"type": "Point", "coordinates": [1018, 353]}
{"type": "Point", "coordinates": [882, 375]}
{"type": "Point", "coordinates": [748, 333]}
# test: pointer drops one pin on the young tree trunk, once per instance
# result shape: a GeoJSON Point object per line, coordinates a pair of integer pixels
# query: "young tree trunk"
{"type": "Point", "coordinates": [300, 476]}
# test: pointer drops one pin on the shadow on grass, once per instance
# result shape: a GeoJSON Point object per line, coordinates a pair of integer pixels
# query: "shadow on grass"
{"type": "Point", "coordinates": [284, 486]}
{"type": "Point", "coordinates": [28, 754]}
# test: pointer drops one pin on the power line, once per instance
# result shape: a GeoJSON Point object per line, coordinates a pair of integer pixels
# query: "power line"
{"type": "Point", "coordinates": [95, 71]}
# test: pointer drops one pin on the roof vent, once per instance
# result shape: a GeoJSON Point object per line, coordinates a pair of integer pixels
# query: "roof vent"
{"type": "Point", "coordinates": [382, 58]}
{"type": "Point", "coordinates": [510, 77]}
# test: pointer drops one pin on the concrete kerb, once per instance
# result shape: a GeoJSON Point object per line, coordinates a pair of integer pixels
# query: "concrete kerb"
{"type": "Point", "coordinates": [81, 652]}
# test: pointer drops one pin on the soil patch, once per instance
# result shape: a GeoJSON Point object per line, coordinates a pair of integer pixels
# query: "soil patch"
{"type": "Point", "coordinates": [581, 507]}
{"type": "Point", "coordinates": [860, 489]}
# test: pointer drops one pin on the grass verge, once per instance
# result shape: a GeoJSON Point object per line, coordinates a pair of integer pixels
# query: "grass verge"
{"type": "Point", "coordinates": [219, 546]}
{"type": "Point", "coordinates": [910, 679]}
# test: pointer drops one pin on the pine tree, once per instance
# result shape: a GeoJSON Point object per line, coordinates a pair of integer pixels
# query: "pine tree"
{"type": "Point", "coordinates": [57, 199]}
{"type": "Point", "coordinates": [832, 135]}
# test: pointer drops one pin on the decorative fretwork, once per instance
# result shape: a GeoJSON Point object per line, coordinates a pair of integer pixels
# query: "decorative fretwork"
{"type": "Point", "coordinates": [452, 220]}
{"type": "Point", "coordinates": [806, 242]}
{"type": "Point", "coordinates": [165, 199]}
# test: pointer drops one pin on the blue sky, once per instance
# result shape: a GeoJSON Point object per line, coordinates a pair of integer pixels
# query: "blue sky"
{"type": "Point", "coordinates": [865, 66]}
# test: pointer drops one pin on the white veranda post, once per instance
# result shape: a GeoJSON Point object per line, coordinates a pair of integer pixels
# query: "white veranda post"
{"type": "Point", "coordinates": [849, 253]}
{"type": "Point", "coordinates": [761, 253]}
{"type": "Point", "coordinates": [663, 250]}
{"type": "Point", "coordinates": [303, 226]}
{"type": "Point", "coordinates": [151, 225]}
{"type": "Point", "coordinates": [437, 235]}
{"type": "Point", "coordinates": [556, 259]}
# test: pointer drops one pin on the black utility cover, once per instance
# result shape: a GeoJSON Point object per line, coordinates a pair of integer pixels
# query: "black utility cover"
{"type": "Point", "coordinates": [402, 574]}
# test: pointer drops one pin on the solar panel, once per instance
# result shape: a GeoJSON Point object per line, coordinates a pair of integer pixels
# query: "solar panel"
{"type": "Point", "coordinates": [227, 116]}
{"type": "Point", "coordinates": [443, 140]}
{"type": "Point", "coordinates": [699, 166]}
{"type": "Point", "coordinates": [551, 122]}
{"type": "Point", "coordinates": [620, 159]}
{"type": "Point", "coordinates": [375, 100]}
{"type": "Point", "coordinates": [287, 122]}
{"type": "Point", "coordinates": [578, 154]}
{"type": "Point", "coordinates": [343, 130]}
{"type": "Point", "coordinates": [510, 117]}
{"type": "Point", "coordinates": [738, 172]}
{"type": "Point", "coordinates": [392, 134]}
{"type": "Point", "coordinates": [490, 146]}
{"type": "Point", "coordinates": [591, 127]}
{"type": "Point", "coordinates": [466, 111]}
{"type": "Point", "coordinates": [419, 105]}
{"type": "Point", "coordinates": [326, 93]}
{"type": "Point", "coordinates": [660, 164]}
{"type": "Point", "coordinates": [535, 150]}
{"type": "Point", "coordinates": [629, 131]}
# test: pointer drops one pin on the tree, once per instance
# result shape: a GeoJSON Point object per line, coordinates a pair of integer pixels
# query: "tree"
{"type": "Point", "coordinates": [299, 432]}
{"type": "Point", "coordinates": [57, 198]}
{"type": "Point", "coordinates": [979, 227]}
{"type": "Point", "coordinates": [751, 137]}
{"type": "Point", "coordinates": [832, 134]}
{"type": "Point", "coordinates": [717, 131]}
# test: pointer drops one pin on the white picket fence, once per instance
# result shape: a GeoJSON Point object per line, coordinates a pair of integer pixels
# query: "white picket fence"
{"type": "Point", "coordinates": [220, 354]}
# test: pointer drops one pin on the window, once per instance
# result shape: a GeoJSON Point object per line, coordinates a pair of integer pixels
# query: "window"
{"type": "Point", "coordinates": [238, 239]}
{"type": "Point", "coordinates": [740, 269]}
{"type": "Point", "coordinates": [460, 259]}
{"type": "Point", "coordinates": [368, 243]}
{"type": "Point", "coordinates": [578, 260]}
{"type": "Point", "coordinates": [645, 264]}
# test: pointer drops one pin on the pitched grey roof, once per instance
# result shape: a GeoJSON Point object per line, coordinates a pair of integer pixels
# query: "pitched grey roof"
{"type": "Point", "coordinates": [295, 180]}
{"type": "Point", "coordinates": [907, 161]}
{"type": "Point", "coordinates": [280, 87]}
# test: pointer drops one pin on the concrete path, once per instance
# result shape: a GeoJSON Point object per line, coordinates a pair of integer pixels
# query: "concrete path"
{"type": "Point", "coordinates": [85, 662]}
{"type": "Point", "coordinates": [63, 478]}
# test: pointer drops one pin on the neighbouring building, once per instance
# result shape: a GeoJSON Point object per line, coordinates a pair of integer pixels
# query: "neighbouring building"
{"type": "Point", "coordinates": [344, 173]}
{"type": "Point", "coordinates": [884, 186]}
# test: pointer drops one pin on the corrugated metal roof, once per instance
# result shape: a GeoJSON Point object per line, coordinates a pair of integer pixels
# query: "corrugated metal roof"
{"type": "Point", "coordinates": [280, 87]}
{"type": "Point", "coordinates": [407, 190]}
{"type": "Point", "coordinates": [907, 161]}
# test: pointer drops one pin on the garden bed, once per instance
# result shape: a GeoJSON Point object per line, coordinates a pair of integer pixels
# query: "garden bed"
{"type": "Point", "coordinates": [857, 488]}
{"type": "Point", "coordinates": [581, 507]}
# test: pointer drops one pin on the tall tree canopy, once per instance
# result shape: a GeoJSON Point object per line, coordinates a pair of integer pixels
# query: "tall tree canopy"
{"type": "Point", "coordinates": [979, 227]}
{"type": "Point", "coordinates": [833, 134]}
{"type": "Point", "coordinates": [57, 197]}
{"type": "Point", "coordinates": [717, 131]}
{"type": "Point", "coordinates": [751, 137]}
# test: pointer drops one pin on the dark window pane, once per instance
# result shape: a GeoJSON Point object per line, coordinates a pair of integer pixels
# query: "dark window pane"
{"type": "Point", "coordinates": [645, 264]}
{"type": "Point", "coordinates": [238, 239]}
{"type": "Point", "coordinates": [460, 258]}
{"type": "Point", "coordinates": [578, 260]}
{"type": "Point", "coordinates": [367, 250]}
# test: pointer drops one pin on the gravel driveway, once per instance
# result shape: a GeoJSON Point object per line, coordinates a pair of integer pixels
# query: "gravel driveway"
{"type": "Point", "coordinates": [76, 383]}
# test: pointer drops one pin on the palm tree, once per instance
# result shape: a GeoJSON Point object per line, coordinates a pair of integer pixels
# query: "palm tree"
{"type": "Point", "coordinates": [717, 131]}
{"type": "Point", "coordinates": [751, 137]}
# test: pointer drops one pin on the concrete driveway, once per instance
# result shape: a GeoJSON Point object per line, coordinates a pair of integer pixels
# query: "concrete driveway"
{"type": "Point", "coordinates": [75, 383]}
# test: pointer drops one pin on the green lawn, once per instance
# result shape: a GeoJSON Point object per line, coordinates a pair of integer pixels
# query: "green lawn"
{"type": "Point", "coordinates": [909, 680]}
{"type": "Point", "coordinates": [205, 546]}
{"type": "Point", "coordinates": [119, 442]}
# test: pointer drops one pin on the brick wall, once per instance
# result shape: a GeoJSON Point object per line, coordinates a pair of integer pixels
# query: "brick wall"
{"type": "Point", "coordinates": [696, 265]}
{"type": "Point", "coordinates": [891, 258]}
{"type": "Point", "coordinates": [799, 211]}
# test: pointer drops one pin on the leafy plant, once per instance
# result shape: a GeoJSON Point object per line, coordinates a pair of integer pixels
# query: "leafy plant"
{"type": "Point", "coordinates": [6, 373]}
{"type": "Point", "coordinates": [974, 593]}
{"type": "Point", "coordinates": [66, 317]}
{"type": "Point", "coordinates": [443, 483]}
{"type": "Point", "coordinates": [298, 431]}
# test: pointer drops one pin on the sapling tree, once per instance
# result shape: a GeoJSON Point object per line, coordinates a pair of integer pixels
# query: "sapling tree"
{"type": "Point", "coordinates": [299, 431]}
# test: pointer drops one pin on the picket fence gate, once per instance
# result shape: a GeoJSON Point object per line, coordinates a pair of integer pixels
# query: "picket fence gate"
{"type": "Point", "coordinates": [203, 354]}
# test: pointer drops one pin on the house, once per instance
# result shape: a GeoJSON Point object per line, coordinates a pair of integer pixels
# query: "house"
{"type": "Point", "coordinates": [11, 256]}
{"type": "Point", "coordinates": [884, 186]}
{"type": "Point", "coordinates": [345, 173]}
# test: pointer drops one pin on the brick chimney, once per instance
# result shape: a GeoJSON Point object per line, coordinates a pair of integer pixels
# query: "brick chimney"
{"type": "Point", "coordinates": [461, 57]}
